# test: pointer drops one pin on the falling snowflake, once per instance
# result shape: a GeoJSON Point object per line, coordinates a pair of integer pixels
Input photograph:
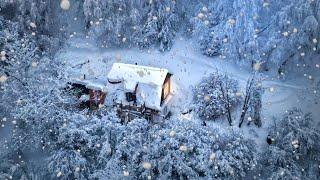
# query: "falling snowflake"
{"type": "Point", "coordinates": [183, 148]}
{"type": "Point", "coordinates": [255, 17]}
{"type": "Point", "coordinates": [125, 173]}
{"type": "Point", "coordinates": [3, 79]}
{"type": "Point", "coordinates": [212, 156]}
{"type": "Point", "coordinates": [295, 30]}
{"type": "Point", "coordinates": [206, 98]}
{"type": "Point", "coordinates": [77, 169]}
{"type": "Point", "coordinates": [59, 174]}
{"type": "Point", "coordinates": [285, 34]}
{"type": "Point", "coordinates": [225, 40]}
{"type": "Point", "coordinates": [33, 25]}
{"type": "Point", "coordinates": [65, 4]}
{"type": "Point", "coordinates": [295, 144]}
{"type": "Point", "coordinates": [146, 165]}
{"type": "Point", "coordinates": [34, 64]}
{"type": "Point", "coordinates": [302, 54]}
{"type": "Point", "coordinates": [200, 15]}
{"type": "Point", "coordinates": [315, 41]}
{"type": "Point", "coordinates": [231, 21]}
{"type": "Point", "coordinates": [172, 133]}
{"type": "Point", "coordinates": [271, 89]}
{"type": "Point", "coordinates": [238, 94]}
{"type": "Point", "coordinates": [167, 9]}
{"type": "Point", "coordinates": [204, 9]}
{"type": "Point", "coordinates": [3, 53]}
{"type": "Point", "coordinates": [206, 22]}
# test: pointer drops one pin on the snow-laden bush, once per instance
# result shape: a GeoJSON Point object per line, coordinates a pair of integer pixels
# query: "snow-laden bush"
{"type": "Point", "coordinates": [294, 152]}
{"type": "Point", "coordinates": [216, 96]}
{"type": "Point", "coordinates": [179, 150]}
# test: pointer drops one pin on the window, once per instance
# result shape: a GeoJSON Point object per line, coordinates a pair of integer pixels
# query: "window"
{"type": "Point", "coordinates": [131, 96]}
{"type": "Point", "coordinates": [166, 89]}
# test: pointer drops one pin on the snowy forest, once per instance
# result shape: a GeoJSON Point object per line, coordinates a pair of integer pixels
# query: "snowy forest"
{"type": "Point", "coordinates": [242, 99]}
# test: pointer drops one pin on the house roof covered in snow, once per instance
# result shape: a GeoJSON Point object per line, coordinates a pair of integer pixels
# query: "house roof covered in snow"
{"type": "Point", "coordinates": [146, 81]}
{"type": "Point", "coordinates": [93, 83]}
{"type": "Point", "coordinates": [134, 73]}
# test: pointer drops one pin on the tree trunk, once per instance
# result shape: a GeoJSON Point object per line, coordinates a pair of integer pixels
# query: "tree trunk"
{"type": "Point", "coordinates": [246, 100]}
{"type": "Point", "coordinates": [227, 105]}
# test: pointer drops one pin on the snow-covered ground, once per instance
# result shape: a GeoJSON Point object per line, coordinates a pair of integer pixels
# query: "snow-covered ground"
{"type": "Point", "coordinates": [189, 66]}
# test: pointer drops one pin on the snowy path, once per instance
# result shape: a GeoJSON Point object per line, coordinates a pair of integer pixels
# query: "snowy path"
{"type": "Point", "coordinates": [189, 67]}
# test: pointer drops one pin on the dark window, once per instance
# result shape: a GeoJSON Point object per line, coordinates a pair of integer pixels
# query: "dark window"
{"type": "Point", "coordinates": [131, 96]}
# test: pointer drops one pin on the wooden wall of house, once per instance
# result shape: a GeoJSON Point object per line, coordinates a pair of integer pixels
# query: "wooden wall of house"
{"type": "Point", "coordinates": [96, 97]}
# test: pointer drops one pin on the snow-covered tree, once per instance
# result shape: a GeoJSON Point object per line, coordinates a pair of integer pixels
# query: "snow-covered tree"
{"type": "Point", "coordinates": [42, 105]}
{"type": "Point", "coordinates": [276, 34]}
{"type": "Point", "coordinates": [252, 101]}
{"type": "Point", "coordinates": [160, 24]}
{"type": "Point", "coordinates": [255, 105]}
{"type": "Point", "coordinates": [113, 23]}
{"type": "Point", "coordinates": [215, 96]}
{"type": "Point", "coordinates": [179, 150]}
{"type": "Point", "coordinates": [26, 85]}
{"type": "Point", "coordinates": [294, 153]}
{"type": "Point", "coordinates": [18, 52]}
{"type": "Point", "coordinates": [84, 145]}
{"type": "Point", "coordinates": [127, 23]}
{"type": "Point", "coordinates": [66, 164]}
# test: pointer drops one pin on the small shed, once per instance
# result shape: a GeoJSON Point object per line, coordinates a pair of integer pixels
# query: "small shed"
{"type": "Point", "coordinates": [95, 89]}
{"type": "Point", "coordinates": [142, 86]}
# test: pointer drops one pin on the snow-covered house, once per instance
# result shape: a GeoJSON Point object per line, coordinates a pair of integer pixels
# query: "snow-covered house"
{"type": "Point", "coordinates": [141, 90]}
